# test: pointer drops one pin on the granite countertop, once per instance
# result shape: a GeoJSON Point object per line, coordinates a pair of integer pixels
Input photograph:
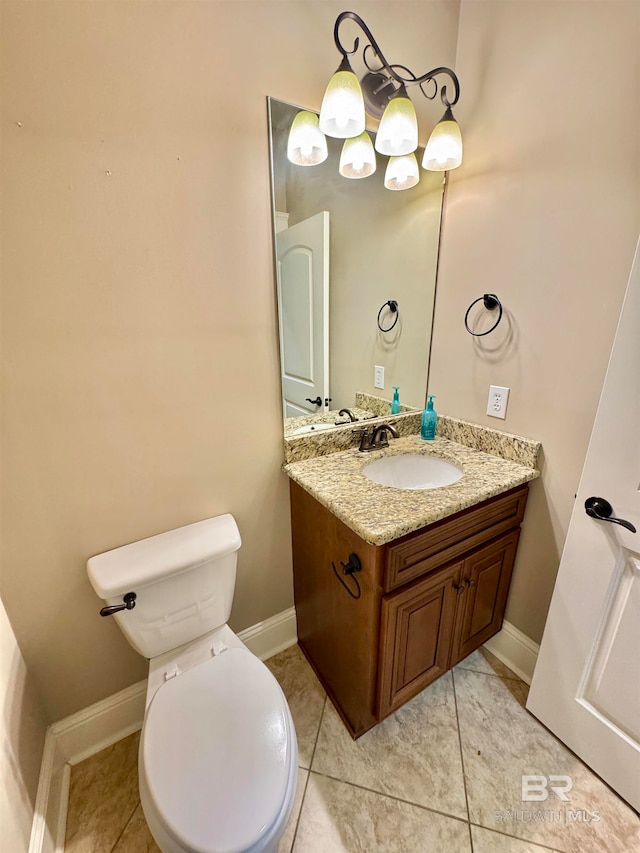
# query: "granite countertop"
{"type": "Point", "coordinates": [332, 417]}
{"type": "Point", "coordinates": [380, 514]}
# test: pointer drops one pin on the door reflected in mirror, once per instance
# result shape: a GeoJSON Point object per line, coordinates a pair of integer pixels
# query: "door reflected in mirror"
{"type": "Point", "coordinates": [344, 249]}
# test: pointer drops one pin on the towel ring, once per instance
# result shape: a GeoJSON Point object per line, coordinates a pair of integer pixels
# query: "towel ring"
{"type": "Point", "coordinates": [393, 307]}
{"type": "Point", "coordinates": [491, 302]}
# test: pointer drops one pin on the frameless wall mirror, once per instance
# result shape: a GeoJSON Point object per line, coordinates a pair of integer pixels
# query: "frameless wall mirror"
{"type": "Point", "coordinates": [344, 249]}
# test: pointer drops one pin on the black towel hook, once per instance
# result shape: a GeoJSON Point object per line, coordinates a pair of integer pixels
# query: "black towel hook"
{"type": "Point", "coordinates": [491, 302]}
{"type": "Point", "coordinates": [393, 307]}
{"type": "Point", "coordinates": [349, 568]}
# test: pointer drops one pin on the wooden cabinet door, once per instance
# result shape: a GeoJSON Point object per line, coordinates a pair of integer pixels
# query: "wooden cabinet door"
{"type": "Point", "coordinates": [486, 575]}
{"type": "Point", "coordinates": [416, 634]}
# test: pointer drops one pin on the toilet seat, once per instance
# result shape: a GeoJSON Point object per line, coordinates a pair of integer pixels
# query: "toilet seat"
{"type": "Point", "coordinates": [218, 756]}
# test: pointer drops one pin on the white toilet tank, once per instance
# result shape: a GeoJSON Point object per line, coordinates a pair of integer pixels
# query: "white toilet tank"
{"type": "Point", "coordinates": [183, 579]}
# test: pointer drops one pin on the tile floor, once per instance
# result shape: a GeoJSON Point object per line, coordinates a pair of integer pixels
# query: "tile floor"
{"type": "Point", "coordinates": [442, 774]}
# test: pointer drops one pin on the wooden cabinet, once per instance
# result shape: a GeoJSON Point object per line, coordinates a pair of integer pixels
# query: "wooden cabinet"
{"type": "Point", "coordinates": [484, 585]}
{"type": "Point", "coordinates": [426, 601]}
{"type": "Point", "coordinates": [416, 634]}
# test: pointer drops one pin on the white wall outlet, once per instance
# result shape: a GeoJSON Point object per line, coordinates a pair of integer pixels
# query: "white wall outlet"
{"type": "Point", "coordinates": [498, 399]}
{"type": "Point", "coordinates": [378, 376]}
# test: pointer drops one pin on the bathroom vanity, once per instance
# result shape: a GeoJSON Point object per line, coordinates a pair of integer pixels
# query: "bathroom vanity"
{"type": "Point", "coordinates": [435, 572]}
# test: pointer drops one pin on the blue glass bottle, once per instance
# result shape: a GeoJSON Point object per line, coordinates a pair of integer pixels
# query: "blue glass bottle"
{"type": "Point", "coordinates": [429, 421]}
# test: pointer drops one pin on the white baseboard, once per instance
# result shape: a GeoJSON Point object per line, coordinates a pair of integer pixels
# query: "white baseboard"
{"type": "Point", "coordinates": [50, 813]}
{"type": "Point", "coordinates": [515, 650]}
{"type": "Point", "coordinates": [273, 635]}
{"type": "Point", "coordinates": [93, 729]}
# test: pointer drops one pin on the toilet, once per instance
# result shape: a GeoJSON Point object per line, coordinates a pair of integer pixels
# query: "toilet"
{"type": "Point", "coordinates": [218, 752]}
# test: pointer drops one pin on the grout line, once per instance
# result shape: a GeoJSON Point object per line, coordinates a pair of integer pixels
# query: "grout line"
{"type": "Point", "coordinates": [554, 849]}
{"type": "Point", "coordinates": [122, 831]}
{"type": "Point", "coordinates": [513, 677]}
{"type": "Point", "coordinates": [306, 784]}
{"type": "Point", "coordinates": [304, 794]}
{"type": "Point", "coordinates": [315, 745]}
{"type": "Point", "coordinates": [392, 797]}
{"type": "Point", "coordinates": [464, 778]}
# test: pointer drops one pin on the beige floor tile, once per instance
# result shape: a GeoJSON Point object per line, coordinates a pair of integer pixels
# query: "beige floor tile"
{"type": "Point", "coordinates": [102, 798]}
{"type": "Point", "coordinates": [487, 841]}
{"type": "Point", "coordinates": [136, 837]}
{"type": "Point", "coordinates": [338, 818]}
{"type": "Point", "coordinates": [501, 742]}
{"type": "Point", "coordinates": [483, 661]}
{"type": "Point", "coordinates": [414, 754]}
{"type": "Point", "coordinates": [286, 842]}
{"type": "Point", "coordinates": [305, 696]}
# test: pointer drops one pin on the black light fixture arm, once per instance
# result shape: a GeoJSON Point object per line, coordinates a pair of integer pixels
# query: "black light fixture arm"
{"type": "Point", "coordinates": [406, 79]}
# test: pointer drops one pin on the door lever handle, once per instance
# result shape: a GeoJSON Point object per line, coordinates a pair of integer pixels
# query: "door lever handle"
{"type": "Point", "coordinates": [602, 510]}
{"type": "Point", "coordinates": [316, 402]}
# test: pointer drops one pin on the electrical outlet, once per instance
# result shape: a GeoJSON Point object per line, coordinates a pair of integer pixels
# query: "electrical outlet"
{"type": "Point", "coordinates": [378, 376]}
{"type": "Point", "coordinates": [497, 403]}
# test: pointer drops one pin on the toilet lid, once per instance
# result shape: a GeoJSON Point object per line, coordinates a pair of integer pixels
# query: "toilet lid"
{"type": "Point", "coordinates": [216, 753]}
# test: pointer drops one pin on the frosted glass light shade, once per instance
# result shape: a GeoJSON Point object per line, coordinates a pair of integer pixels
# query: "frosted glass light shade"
{"type": "Point", "coordinates": [402, 172]}
{"type": "Point", "coordinates": [342, 110]}
{"type": "Point", "coordinates": [307, 145]}
{"type": "Point", "coordinates": [444, 148]}
{"type": "Point", "coordinates": [358, 159]}
{"type": "Point", "coordinates": [398, 131]}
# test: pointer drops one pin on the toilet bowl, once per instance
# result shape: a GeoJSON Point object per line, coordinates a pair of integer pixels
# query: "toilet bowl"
{"type": "Point", "coordinates": [218, 752]}
{"type": "Point", "coordinates": [214, 706]}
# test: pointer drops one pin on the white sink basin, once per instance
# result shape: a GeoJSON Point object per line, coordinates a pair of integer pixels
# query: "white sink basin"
{"type": "Point", "coordinates": [412, 471]}
{"type": "Point", "coordinates": [303, 430]}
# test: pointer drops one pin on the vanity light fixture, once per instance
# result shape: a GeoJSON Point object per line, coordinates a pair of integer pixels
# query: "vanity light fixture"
{"type": "Point", "coordinates": [307, 145]}
{"type": "Point", "coordinates": [398, 131]}
{"type": "Point", "coordinates": [358, 159]}
{"type": "Point", "coordinates": [402, 172]}
{"type": "Point", "coordinates": [382, 93]}
{"type": "Point", "coordinates": [342, 110]}
{"type": "Point", "coordinates": [444, 148]}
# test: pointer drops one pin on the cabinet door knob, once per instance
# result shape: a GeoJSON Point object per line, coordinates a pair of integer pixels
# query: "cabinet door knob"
{"type": "Point", "coordinates": [469, 581]}
{"type": "Point", "coordinates": [458, 588]}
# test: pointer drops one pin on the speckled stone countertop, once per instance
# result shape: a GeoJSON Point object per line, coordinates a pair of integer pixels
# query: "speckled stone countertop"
{"type": "Point", "coordinates": [380, 514]}
{"type": "Point", "coordinates": [329, 417]}
{"type": "Point", "coordinates": [299, 447]}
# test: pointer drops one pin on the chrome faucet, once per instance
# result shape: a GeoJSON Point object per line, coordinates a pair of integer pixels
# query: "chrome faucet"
{"type": "Point", "coordinates": [352, 417]}
{"type": "Point", "coordinates": [378, 438]}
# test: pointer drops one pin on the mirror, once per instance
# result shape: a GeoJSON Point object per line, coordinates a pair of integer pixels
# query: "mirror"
{"type": "Point", "coordinates": [344, 249]}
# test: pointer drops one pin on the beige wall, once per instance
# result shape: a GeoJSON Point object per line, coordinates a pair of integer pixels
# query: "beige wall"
{"type": "Point", "coordinates": [140, 370]}
{"type": "Point", "coordinates": [138, 304]}
{"type": "Point", "coordinates": [545, 212]}
{"type": "Point", "coordinates": [22, 730]}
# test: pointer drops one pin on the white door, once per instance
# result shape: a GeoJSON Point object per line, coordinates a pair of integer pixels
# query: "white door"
{"type": "Point", "coordinates": [586, 685]}
{"type": "Point", "coordinates": [303, 314]}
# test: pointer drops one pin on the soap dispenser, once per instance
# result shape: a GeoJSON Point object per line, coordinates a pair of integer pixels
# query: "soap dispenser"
{"type": "Point", "coordinates": [395, 404]}
{"type": "Point", "coordinates": [429, 421]}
